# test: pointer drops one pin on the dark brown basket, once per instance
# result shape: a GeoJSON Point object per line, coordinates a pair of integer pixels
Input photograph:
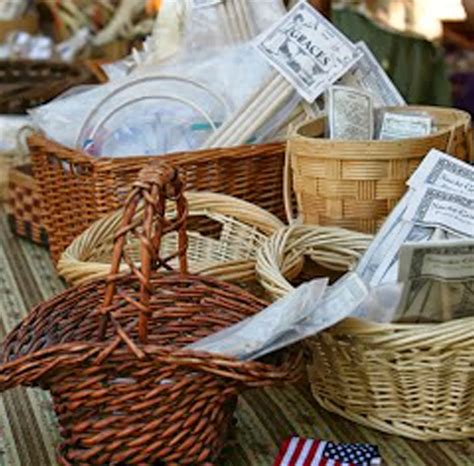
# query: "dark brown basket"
{"type": "Point", "coordinates": [28, 83]}
{"type": "Point", "coordinates": [111, 352]}
{"type": "Point", "coordinates": [23, 206]}
{"type": "Point", "coordinates": [76, 188]}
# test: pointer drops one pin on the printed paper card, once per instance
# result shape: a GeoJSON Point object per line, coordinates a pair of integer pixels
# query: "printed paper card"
{"type": "Point", "coordinates": [308, 51]}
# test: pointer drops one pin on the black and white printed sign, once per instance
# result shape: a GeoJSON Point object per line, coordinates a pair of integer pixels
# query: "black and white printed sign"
{"type": "Point", "coordinates": [308, 51]}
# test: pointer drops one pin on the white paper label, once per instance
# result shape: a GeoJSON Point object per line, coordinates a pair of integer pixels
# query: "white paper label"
{"type": "Point", "coordinates": [350, 114]}
{"type": "Point", "coordinates": [308, 51]}
{"type": "Point", "coordinates": [403, 126]}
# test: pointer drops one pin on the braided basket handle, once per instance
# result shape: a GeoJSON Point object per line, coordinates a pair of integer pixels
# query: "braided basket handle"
{"type": "Point", "coordinates": [157, 183]}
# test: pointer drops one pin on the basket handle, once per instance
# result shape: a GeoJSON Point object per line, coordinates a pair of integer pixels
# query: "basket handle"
{"type": "Point", "coordinates": [157, 183]}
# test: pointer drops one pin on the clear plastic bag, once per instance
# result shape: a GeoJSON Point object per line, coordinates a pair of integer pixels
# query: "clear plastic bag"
{"type": "Point", "coordinates": [189, 98]}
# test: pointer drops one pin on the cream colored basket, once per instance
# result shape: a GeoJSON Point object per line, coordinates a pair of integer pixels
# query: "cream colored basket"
{"type": "Point", "coordinates": [355, 184]}
{"type": "Point", "coordinates": [224, 235]}
{"type": "Point", "coordinates": [414, 380]}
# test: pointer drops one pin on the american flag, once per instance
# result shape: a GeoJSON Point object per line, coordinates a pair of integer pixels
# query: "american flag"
{"type": "Point", "coordinates": [305, 452]}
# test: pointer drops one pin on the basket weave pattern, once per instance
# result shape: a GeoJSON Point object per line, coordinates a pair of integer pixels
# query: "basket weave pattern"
{"type": "Point", "coordinates": [111, 352]}
{"type": "Point", "coordinates": [77, 189]}
{"type": "Point", "coordinates": [410, 380]}
{"type": "Point", "coordinates": [23, 207]}
{"type": "Point", "coordinates": [355, 184]}
{"type": "Point", "coordinates": [229, 255]}
{"type": "Point", "coordinates": [415, 380]}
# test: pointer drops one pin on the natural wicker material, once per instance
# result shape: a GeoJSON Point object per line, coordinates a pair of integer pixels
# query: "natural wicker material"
{"type": "Point", "coordinates": [76, 189]}
{"type": "Point", "coordinates": [331, 247]}
{"type": "Point", "coordinates": [111, 352]}
{"type": "Point", "coordinates": [412, 380]}
{"type": "Point", "coordinates": [355, 184]}
{"type": "Point", "coordinates": [28, 83]}
{"type": "Point", "coordinates": [23, 207]}
{"type": "Point", "coordinates": [229, 256]}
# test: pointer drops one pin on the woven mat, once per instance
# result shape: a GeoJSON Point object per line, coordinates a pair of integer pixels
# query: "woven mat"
{"type": "Point", "coordinates": [28, 430]}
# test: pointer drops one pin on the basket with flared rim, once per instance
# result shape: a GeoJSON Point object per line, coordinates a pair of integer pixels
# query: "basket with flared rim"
{"type": "Point", "coordinates": [113, 353]}
{"type": "Point", "coordinates": [413, 380]}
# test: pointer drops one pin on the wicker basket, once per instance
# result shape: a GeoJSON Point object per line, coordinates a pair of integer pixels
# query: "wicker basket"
{"type": "Point", "coordinates": [230, 255]}
{"type": "Point", "coordinates": [76, 189]}
{"type": "Point", "coordinates": [113, 352]}
{"type": "Point", "coordinates": [355, 184]}
{"type": "Point", "coordinates": [23, 207]}
{"type": "Point", "coordinates": [412, 380]}
{"type": "Point", "coordinates": [28, 83]}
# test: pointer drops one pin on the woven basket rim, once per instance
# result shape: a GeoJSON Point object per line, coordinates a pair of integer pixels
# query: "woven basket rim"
{"type": "Point", "coordinates": [169, 353]}
{"type": "Point", "coordinates": [464, 118]}
{"type": "Point", "coordinates": [75, 269]}
{"type": "Point", "coordinates": [104, 162]}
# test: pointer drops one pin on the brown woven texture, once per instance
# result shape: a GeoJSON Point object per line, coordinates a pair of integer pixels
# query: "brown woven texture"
{"type": "Point", "coordinates": [23, 206]}
{"type": "Point", "coordinates": [28, 83]}
{"type": "Point", "coordinates": [76, 189]}
{"type": "Point", "coordinates": [355, 184]}
{"type": "Point", "coordinates": [111, 352]}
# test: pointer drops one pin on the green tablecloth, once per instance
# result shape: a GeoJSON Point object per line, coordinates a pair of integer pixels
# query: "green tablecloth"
{"type": "Point", "coordinates": [28, 431]}
{"type": "Point", "coordinates": [415, 65]}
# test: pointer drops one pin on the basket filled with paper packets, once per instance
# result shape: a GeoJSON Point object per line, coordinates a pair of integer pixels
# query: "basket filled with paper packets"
{"type": "Point", "coordinates": [401, 359]}
{"type": "Point", "coordinates": [349, 168]}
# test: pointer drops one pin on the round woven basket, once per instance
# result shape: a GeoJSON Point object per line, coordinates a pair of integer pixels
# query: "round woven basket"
{"type": "Point", "coordinates": [224, 234]}
{"type": "Point", "coordinates": [355, 184]}
{"type": "Point", "coordinates": [114, 352]}
{"type": "Point", "coordinates": [414, 380]}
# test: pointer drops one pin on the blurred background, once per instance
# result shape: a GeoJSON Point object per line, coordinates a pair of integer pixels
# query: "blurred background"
{"type": "Point", "coordinates": [426, 46]}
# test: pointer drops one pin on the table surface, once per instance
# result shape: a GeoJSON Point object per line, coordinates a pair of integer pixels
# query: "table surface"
{"type": "Point", "coordinates": [265, 417]}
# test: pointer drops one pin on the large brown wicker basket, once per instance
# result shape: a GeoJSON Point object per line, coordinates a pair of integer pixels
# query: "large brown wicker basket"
{"type": "Point", "coordinates": [113, 352]}
{"type": "Point", "coordinates": [414, 380]}
{"type": "Point", "coordinates": [355, 184]}
{"type": "Point", "coordinates": [76, 188]}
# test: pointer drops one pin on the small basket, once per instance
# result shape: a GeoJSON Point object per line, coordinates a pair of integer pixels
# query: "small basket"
{"type": "Point", "coordinates": [227, 252]}
{"type": "Point", "coordinates": [28, 83]}
{"type": "Point", "coordinates": [23, 206]}
{"type": "Point", "coordinates": [355, 184]}
{"type": "Point", "coordinates": [113, 352]}
{"type": "Point", "coordinates": [413, 380]}
{"type": "Point", "coordinates": [76, 189]}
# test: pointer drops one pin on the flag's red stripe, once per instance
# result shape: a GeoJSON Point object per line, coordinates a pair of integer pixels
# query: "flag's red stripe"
{"type": "Point", "coordinates": [311, 453]}
{"type": "Point", "coordinates": [282, 452]}
{"type": "Point", "coordinates": [322, 462]}
{"type": "Point", "coordinates": [296, 453]}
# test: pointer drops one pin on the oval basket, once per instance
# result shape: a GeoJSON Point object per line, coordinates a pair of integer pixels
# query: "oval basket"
{"type": "Point", "coordinates": [113, 352]}
{"type": "Point", "coordinates": [355, 184]}
{"type": "Point", "coordinates": [227, 252]}
{"type": "Point", "coordinates": [414, 380]}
